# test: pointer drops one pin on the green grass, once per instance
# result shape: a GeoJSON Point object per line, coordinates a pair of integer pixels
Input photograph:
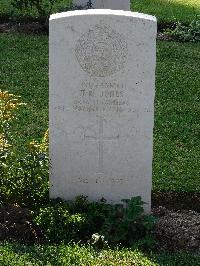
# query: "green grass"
{"type": "Point", "coordinates": [177, 124]}
{"type": "Point", "coordinates": [165, 10]}
{"type": "Point", "coordinates": [69, 255]}
{"type": "Point", "coordinates": [168, 11]}
{"type": "Point", "coordinates": [24, 71]}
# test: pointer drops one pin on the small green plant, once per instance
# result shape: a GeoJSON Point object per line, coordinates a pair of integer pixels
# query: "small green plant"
{"type": "Point", "coordinates": [9, 105]}
{"type": "Point", "coordinates": [58, 223]}
{"type": "Point", "coordinates": [24, 178]}
{"type": "Point", "coordinates": [126, 224]}
{"type": "Point", "coordinates": [30, 4]}
{"type": "Point", "coordinates": [98, 223]}
{"type": "Point", "coordinates": [73, 220]}
{"type": "Point", "coordinates": [184, 33]}
{"type": "Point", "coordinates": [43, 7]}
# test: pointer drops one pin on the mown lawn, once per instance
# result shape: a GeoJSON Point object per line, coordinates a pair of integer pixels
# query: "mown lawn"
{"type": "Point", "coordinates": [24, 71]}
{"type": "Point", "coordinates": [69, 255]}
{"type": "Point", "coordinates": [168, 11]}
{"type": "Point", "coordinates": [165, 10]}
{"type": "Point", "coordinates": [177, 124]}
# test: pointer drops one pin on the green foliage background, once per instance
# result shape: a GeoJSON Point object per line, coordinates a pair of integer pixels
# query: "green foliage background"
{"type": "Point", "coordinates": [167, 11]}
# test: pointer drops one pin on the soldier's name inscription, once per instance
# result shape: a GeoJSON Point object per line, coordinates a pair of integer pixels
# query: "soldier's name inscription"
{"type": "Point", "coordinates": [100, 97]}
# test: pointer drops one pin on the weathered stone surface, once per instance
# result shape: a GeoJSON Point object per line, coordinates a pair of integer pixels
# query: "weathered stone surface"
{"type": "Point", "coordinates": [105, 4]}
{"type": "Point", "coordinates": [102, 79]}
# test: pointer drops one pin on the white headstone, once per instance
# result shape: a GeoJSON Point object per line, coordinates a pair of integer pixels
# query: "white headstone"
{"type": "Point", "coordinates": [105, 4]}
{"type": "Point", "coordinates": [102, 79]}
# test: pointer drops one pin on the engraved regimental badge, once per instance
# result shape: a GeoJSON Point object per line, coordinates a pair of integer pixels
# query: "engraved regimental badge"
{"type": "Point", "coordinates": [101, 51]}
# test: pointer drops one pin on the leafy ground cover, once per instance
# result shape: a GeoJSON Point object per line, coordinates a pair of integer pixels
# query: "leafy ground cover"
{"type": "Point", "coordinates": [24, 71]}
{"type": "Point", "coordinates": [8, 11]}
{"type": "Point", "coordinates": [15, 254]}
{"type": "Point", "coordinates": [166, 11]}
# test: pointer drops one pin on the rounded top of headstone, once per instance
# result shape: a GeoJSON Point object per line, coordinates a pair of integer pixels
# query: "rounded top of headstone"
{"type": "Point", "coordinates": [102, 12]}
{"type": "Point", "coordinates": [101, 51]}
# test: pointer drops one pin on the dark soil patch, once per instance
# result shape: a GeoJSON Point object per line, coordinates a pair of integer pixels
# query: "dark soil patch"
{"type": "Point", "coordinates": [176, 201]}
{"type": "Point", "coordinates": [177, 230]}
{"type": "Point", "coordinates": [42, 29]}
{"type": "Point", "coordinates": [16, 225]}
{"type": "Point", "coordinates": [162, 26]}
{"type": "Point", "coordinates": [164, 37]}
{"type": "Point", "coordinates": [26, 28]}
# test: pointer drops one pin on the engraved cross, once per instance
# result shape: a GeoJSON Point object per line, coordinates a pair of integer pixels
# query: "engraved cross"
{"type": "Point", "coordinates": [100, 138]}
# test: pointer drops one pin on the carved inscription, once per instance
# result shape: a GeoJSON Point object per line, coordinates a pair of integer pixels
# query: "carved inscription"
{"type": "Point", "coordinates": [101, 51]}
{"type": "Point", "coordinates": [102, 180]}
{"type": "Point", "coordinates": [102, 96]}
